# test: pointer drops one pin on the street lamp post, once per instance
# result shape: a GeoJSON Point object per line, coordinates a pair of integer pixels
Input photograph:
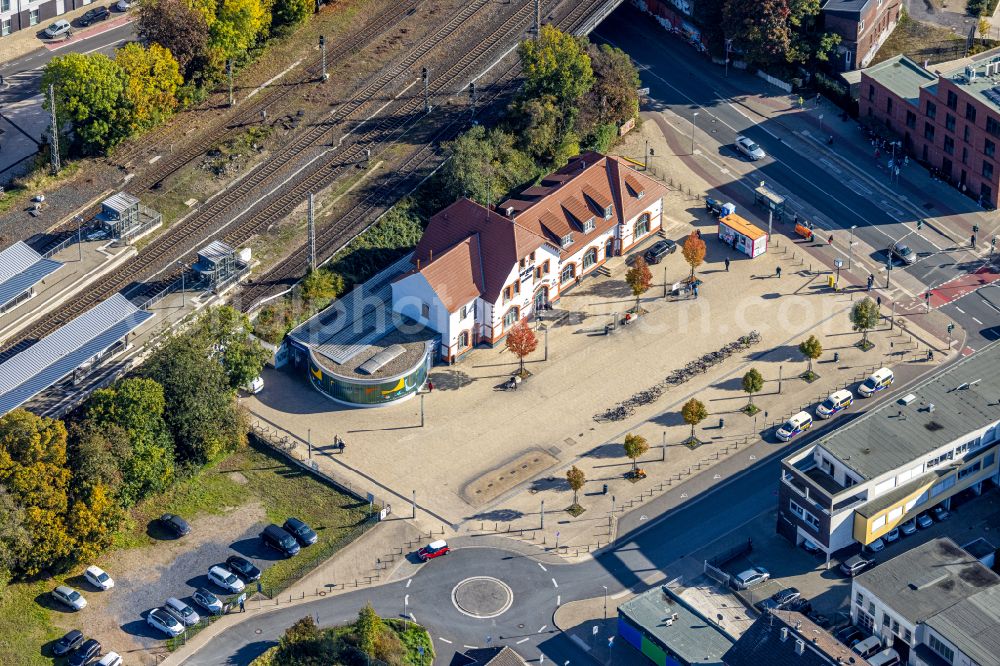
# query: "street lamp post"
{"type": "Point", "coordinates": [850, 248]}
{"type": "Point", "coordinates": [183, 286]}
{"type": "Point", "coordinates": [694, 121]}
{"type": "Point", "coordinates": [406, 601]}
{"type": "Point", "coordinates": [729, 43]}
{"type": "Point", "coordinates": [79, 236]}
{"type": "Point", "coordinates": [605, 601]}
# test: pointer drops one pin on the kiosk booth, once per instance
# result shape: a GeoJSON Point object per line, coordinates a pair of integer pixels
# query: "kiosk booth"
{"type": "Point", "coordinates": [770, 200]}
{"type": "Point", "coordinates": [742, 235]}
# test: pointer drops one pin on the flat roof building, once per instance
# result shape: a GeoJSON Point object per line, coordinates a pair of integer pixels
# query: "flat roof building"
{"type": "Point", "coordinates": [787, 638]}
{"type": "Point", "coordinates": [897, 460]}
{"type": "Point", "coordinates": [77, 347]}
{"type": "Point", "coordinates": [933, 604]}
{"type": "Point", "coordinates": [661, 626]}
{"type": "Point", "coordinates": [21, 268]}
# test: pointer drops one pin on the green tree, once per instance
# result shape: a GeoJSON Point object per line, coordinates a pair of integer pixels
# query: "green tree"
{"type": "Point", "coordinates": [179, 27]}
{"type": "Point", "coordinates": [812, 349]}
{"type": "Point", "coordinates": [543, 131]}
{"type": "Point", "coordinates": [602, 138]}
{"type": "Point", "coordinates": [635, 447]}
{"type": "Point", "coordinates": [238, 26]}
{"type": "Point", "coordinates": [14, 538]}
{"type": "Point", "coordinates": [201, 411]}
{"type": "Point", "coordinates": [93, 520]}
{"type": "Point", "coordinates": [369, 627]}
{"type": "Point", "coordinates": [92, 455]}
{"type": "Point", "coordinates": [556, 64]}
{"type": "Point", "coordinates": [639, 279]}
{"type": "Point", "coordinates": [289, 13]}
{"type": "Point", "coordinates": [224, 332]}
{"type": "Point", "coordinates": [321, 286]}
{"type": "Point", "coordinates": [983, 28]}
{"type": "Point", "coordinates": [152, 77]}
{"type": "Point", "coordinates": [864, 317]}
{"type": "Point", "coordinates": [694, 412]}
{"type": "Point", "coordinates": [753, 382]}
{"type": "Point", "coordinates": [760, 28]}
{"type": "Point", "coordinates": [33, 470]}
{"type": "Point", "coordinates": [486, 166]}
{"type": "Point", "coordinates": [89, 95]}
{"type": "Point", "coordinates": [613, 99]}
{"type": "Point", "coordinates": [576, 479]}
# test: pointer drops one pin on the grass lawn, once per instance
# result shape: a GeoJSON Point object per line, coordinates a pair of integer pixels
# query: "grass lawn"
{"type": "Point", "coordinates": [251, 475]}
{"type": "Point", "coordinates": [921, 41]}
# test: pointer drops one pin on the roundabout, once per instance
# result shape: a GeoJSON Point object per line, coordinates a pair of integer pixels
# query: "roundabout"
{"type": "Point", "coordinates": [482, 597]}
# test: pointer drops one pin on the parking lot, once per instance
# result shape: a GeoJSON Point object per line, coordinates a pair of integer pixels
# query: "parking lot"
{"type": "Point", "coordinates": [828, 590]}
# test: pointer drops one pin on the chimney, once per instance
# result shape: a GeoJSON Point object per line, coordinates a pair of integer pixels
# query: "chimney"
{"type": "Point", "coordinates": [674, 617]}
{"type": "Point", "coordinates": [509, 212]}
{"type": "Point", "coordinates": [418, 264]}
{"type": "Point", "coordinates": [800, 647]}
{"type": "Point", "coordinates": [430, 258]}
{"type": "Point", "coordinates": [784, 634]}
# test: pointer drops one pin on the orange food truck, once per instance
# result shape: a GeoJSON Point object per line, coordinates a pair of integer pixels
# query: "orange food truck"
{"type": "Point", "coordinates": [741, 235]}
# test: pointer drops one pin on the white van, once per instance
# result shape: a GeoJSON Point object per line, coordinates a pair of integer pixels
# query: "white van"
{"type": "Point", "coordinates": [836, 402]}
{"type": "Point", "coordinates": [793, 426]}
{"type": "Point", "coordinates": [887, 657]}
{"type": "Point", "coordinates": [110, 659]}
{"type": "Point", "coordinates": [869, 646]}
{"type": "Point", "coordinates": [878, 380]}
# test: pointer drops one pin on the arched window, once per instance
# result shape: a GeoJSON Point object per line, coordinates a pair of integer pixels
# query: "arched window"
{"type": "Point", "coordinates": [511, 318]}
{"type": "Point", "coordinates": [642, 225]}
{"type": "Point", "coordinates": [463, 339]}
{"type": "Point", "coordinates": [589, 258]}
{"type": "Point", "coordinates": [568, 273]}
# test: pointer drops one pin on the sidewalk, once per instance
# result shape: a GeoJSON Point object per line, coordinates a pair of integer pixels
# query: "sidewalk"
{"type": "Point", "coordinates": [21, 43]}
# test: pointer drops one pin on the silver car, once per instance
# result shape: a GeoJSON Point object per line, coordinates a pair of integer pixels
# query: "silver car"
{"type": "Point", "coordinates": [69, 597]}
{"type": "Point", "coordinates": [58, 29]}
{"type": "Point", "coordinates": [165, 622]}
{"type": "Point", "coordinates": [181, 611]}
{"type": "Point", "coordinates": [751, 577]}
{"type": "Point", "coordinates": [749, 148]}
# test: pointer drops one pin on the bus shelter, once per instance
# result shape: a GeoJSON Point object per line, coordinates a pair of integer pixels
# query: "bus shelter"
{"type": "Point", "coordinates": [742, 236]}
{"type": "Point", "coordinates": [770, 200]}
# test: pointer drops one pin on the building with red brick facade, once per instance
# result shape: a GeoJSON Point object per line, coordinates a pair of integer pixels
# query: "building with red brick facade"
{"type": "Point", "coordinates": [949, 119]}
{"type": "Point", "coordinates": [863, 26]}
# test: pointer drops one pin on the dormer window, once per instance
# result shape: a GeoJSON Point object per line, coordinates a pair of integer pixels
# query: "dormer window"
{"type": "Point", "coordinates": [588, 226]}
{"type": "Point", "coordinates": [607, 213]}
{"type": "Point", "coordinates": [566, 240]}
{"type": "Point", "coordinates": [640, 194]}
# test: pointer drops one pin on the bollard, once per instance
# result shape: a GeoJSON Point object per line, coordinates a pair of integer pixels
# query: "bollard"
{"type": "Point", "coordinates": [722, 423]}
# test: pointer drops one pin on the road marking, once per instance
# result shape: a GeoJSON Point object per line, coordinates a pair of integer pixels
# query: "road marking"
{"type": "Point", "coordinates": [542, 628]}
{"type": "Point", "coordinates": [522, 641]}
{"type": "Point", "coordinates": [977, 321]}
{"type": "Point", "coordinates": [413, 618]}
{"type": "Point", "coordinates": [960, 309]}
{"type": "Point", "coordinates": [441, 638]}
{"type": "Point", "coordinates": [558, 600]}
{"type": "Point", "coordinates": [621, 594]}
{"type": "Point", "coordinates": [408, 582]}
{"type": "Point", "coordinates": [554, 583]}
{"type": "Point", "coordinates": [542, 566]}
{"type": "Point", "coordinates": [469, 647]}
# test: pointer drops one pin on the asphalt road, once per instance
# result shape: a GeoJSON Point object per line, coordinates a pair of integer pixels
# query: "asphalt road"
{"type": "Point", "coordinates": [22, 77]}
{"type": "Point", "coordinates": [833, 190]}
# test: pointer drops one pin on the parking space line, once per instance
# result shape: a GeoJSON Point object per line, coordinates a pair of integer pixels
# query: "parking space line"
{"type": "Point", "coordinates": [469, 647]}
{"type": "Point", "coordinates": [542, 566]}
{"type": "Point", "coordinates": [542, 628]}
{"type": "Point", "coordinates": [554, 583]}
{"type": "Point", "coordinates": [408, 582]}
{"type": "Point", "coordinates": [445, 640]}
{"type": "Point", "coordinates": [522, 640]}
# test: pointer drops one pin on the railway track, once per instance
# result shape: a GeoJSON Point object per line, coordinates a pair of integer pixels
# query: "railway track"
{"type": "Point", "coordinates": [283, 196]}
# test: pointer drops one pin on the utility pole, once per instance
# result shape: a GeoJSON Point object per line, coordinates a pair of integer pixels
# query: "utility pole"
{"type": "Point", "coordinates": [542, 514]}
{"type": "Point", "coordinates": [538, 19]}
{"type": "Point", "coordinates": [850, 247]}
{"type": "Point", "coordinates": [312, 234]}
{"type": "Point", "coordinates": [472, 96]}
{"type": "Point", "coordinates": [54, 149]}
{"type": "Point", "coordinates": [413, 505]}
{"type": "Point", "coordinates": [229, 73]}
{"type": "Point", "coordinates": [322, 48]}
{"type": "Point", "coordinates": [694, 121]}
{"type": "Point", "coordinates": [427, 96]}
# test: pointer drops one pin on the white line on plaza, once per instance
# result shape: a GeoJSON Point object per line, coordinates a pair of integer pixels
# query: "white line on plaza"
{"type": "Point", "coordinates": [445, 640]}
{"type": "Point", "coordinates": [469, 647]}
{"type": "Point", "coordinates": [960, 309]}
{"type": "Point", "coordinates": [408, 582]}
{"type": "Point", "coordinates": [542, 566]}
{"type": "Point", "coordinates": [542, 628]}
{"type": "Point", "coordinates": [554, 583]}
{"type": "Point", "coordinates": [558, 600]}
{"type": "Point", "coordinates": [522, 641]}
{"type": "Point", "coordinates": [977, 321]}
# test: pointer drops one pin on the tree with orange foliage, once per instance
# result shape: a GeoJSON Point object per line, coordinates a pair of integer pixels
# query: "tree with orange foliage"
{"type": "Point", "coordinates": [521, 341]}
{"type": "Point", "coordinates": [694, 251]}
{"type": "Point", "coordinates": [639, 278]}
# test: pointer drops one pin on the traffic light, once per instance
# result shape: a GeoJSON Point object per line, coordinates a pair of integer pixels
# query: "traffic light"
{"type": "Point", "coordinates": [920, 225]}
{"type": "Point", "coordinates": [993, 242]}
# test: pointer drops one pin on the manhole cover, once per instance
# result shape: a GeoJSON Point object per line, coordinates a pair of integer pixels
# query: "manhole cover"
{"type": "Point", "coordinates": [482, 597]}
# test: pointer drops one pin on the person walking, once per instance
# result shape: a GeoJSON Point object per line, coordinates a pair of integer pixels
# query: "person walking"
{"type": "Point", "coordinates": [694, 290]}
{"type": "Point", "coordinates": [777, 271]}
{"type": "Point", "coordinates": [243, 599]}
{"type": "Point", "coordinates": [727, 264]}
{"type": "Point", "coordinates": [878, 302]}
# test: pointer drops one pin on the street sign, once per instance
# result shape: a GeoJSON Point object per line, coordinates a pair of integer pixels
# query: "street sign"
{"type": "Point", "coordinates": [642, 92]}
{"type": "Point", "coordinates": [595, 630]}
{"type": "Point", "coordinates": [838, 263]}
{"type": "Point", "coordinates": [371, 498]}
{"type": "Point", "coordinates": [611, 641]}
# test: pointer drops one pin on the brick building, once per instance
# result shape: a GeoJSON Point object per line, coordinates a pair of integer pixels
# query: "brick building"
{"type": "Point", "coordinates": [948, 119]}
{"type": "Point", "coordinates": [863, 26]}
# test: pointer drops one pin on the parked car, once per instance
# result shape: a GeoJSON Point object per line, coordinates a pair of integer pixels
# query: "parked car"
{"type": "Point", "coordinates": [90, 649]}
{"type": "Point", "coordinates": [280, 540]}
{"type": "Point", "coordinates": [800, 605]}
{"type": "Point", "coordinates": [187, 615]}
{"type": "Point", "coordinates": [781, 598]}
{"type": "Point", "coordinates": [940, 513]}
{"type": "Point", "coordinates": [855, 565]}
{"type": "Point", "coordinates": [98, 577]}
{"type": "Point", "coordinates": [225, 579]}
{"type": "Point", "coordinates": [903, 252]}
{"type": "Point", "coordinates": [924, 521]}
{"type": "Point", "coordinates": [94, 15]}
{"type": "Point", "coordinates": [60, 28]}
{"type": "Point", "coordinates": [207, 600]}
{"type": "Point", "coordinates": [879, 380]}
{"type": "Point", "coordinates": [798, 423]}
{"type": "Point", "coordinates": [95, 234]}
{"type": "Point", "coordinates": [850, 635]}
{"type": "Point", "coordinates": [302, 532]}
{"type": "Point", "coordinates": [68, 643]}
{"type": "Point", "coordinates": [175, 525]}
{"type": "Point", "coordinates": [810, 547]}
{"type": "Point", "coordinates": [886, 657]}
{"type": "Point", "coordinates": [836, 402]}
{"type": "Point", "coordinates": [751, 577]}
{"type": "Point", "coordinates": [254, 386]}
{"type": "Point", "coordinates": [243, 567]}
{"type": "Point", "coordinates": [749, 148]}
{"type": "Point", "coordinates": [876, 546]}
{"type": "Point", "coordinates": [891, 536]}
{"type": "Point", "coordinates": [659, 250]}
{"type": "Point", "coordinates": [123, 5]}
{"type": "Point", "coordinates": [69, 597]}
{"type": "Point", "coordinates": [433, 549]}
{"type": "Point", "coordinates": [165, 622]}
{"type": "Point", "coordinates": [110, 659]}
{"type": "Point", "coordinates": [909, 527]}
{"type": "Point", "coordinates": [868, 647]}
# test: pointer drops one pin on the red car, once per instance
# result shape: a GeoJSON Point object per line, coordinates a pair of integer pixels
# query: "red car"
{"type": "Point", "coordinates": [432, 550]}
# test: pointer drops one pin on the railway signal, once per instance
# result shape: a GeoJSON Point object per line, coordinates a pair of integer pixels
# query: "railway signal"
{"type": "Point", "coordinates": [322, 49]}
{"type": "Point", "coordinates": [427, 97]}
{"type": "Point", "coordinates": [229, 73]}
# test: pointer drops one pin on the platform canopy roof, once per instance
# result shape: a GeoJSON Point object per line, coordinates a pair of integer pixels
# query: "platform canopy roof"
{"type": "Point", "coordinates": [21, 268]}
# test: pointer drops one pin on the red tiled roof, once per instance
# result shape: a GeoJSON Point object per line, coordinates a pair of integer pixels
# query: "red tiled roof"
{"type": "Point", "coordinates": [456, 275]}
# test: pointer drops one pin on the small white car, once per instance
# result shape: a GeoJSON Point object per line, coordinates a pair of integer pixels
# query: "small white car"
{"type": "Point", "coordinates": [207, 600]}
{"type": "Point", "coordinates": [60, 28]}
{"type": "Point", "coordinates": [797, 424]}
{"type": "Point", "coordinates": [747, 146]}
{"type": "Point", "coordinates": [110, 659]}
{"type": "Point", "coordinates": [69, 597]}
{"type": "Point", "coordinates": [187, 615]}
{"type": "Point", "coordinates": [99, 578]}
{"type": "Point", "coordinates": [751, 577]}
{"type": "Point", "coordinates": [255, 386]}
{"type": "Point", "coordinates": [876, 546]}
{"type": "Point", "coordinates": [123, 5]}
{"type": "Point", "coordinates": [225, 579]}
{"type": "Point", "coordinates": [165, 622]}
